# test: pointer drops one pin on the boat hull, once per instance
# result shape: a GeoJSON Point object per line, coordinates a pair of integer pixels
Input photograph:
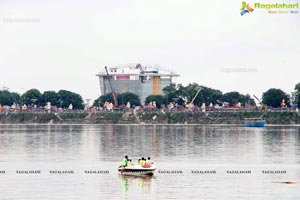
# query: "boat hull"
{"type": "Point", "coordinates": [255, 124]}
{"type": "Point", "coordinates": [137, 171]}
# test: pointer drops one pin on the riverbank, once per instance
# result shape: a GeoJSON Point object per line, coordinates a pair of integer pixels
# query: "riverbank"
{"type": "Point", "coordinates": [234, 117]}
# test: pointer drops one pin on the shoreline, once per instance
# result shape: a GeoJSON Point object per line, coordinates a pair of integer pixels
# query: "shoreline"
{"type": "Point", "coordinates": [231, 118]}
{"type": "Point", "coordinates": [120, 124]}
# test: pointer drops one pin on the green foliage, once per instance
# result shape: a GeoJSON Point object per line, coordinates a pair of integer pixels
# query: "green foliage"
{"type": "Point", "coordinates": [50, 96]}
{"type": "Point", "coordinates": [235, 97]}
{"type": "Point", "coordinates": [207, 96]}
{"type": "Point", "coordinates": [122, 99]}
{"type": "Point", "coordinates": [232, 98]}
{"type": "Point", "coordinates": [172, 94]}
{"type": "Point", "coordinates": [297, 94]}
{"type": "Point", "coordinates": [107, 117]}
{"type": "Point", "coordinates": [67, 98]}
{"type": "Point", "coordinates": [16, 98]}
{"type": "Point", "coordinates": [102, 99]}
{"type": "Point", "coordinates": [189, 91]}
{"type": "Point", "coordinates": [31, 96]}
{"type": "Point", "coordinates": [273, 97]}
{"type": "Point", "coordinates": [73, 115]}
{"type": "Point", "coordinates": [159, 100]}
{"type": "Point", "coordinates": [63, 98]}
{"type": "Point", "coordinates": [7, 98]}
{"type": "Point", "coordinates": [128, 97]}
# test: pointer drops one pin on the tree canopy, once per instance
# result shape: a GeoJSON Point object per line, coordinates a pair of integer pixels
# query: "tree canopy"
{"type": "Point", "coordinates": [159, 100]}
{"type": "Point", "coordinates": [129, 97]}
{"type": "Point", "coordinates": [50, 96]}
{"type": "Point", "coordinates": [122, 98]}
{"type": "Point", "coordinates": [297, 94]}
{"type": "Point", "coordinates": [206, 95]}
{"type": "Point", "coordinates": [172, 94]}
{"type": "Point", "coordinates": [273, 97]}
{"type": "Point", "coordinates": [9, 98]}
{"type": "Point", "coordinates": [235, 97]}
{"type": "Point", "coordinates": [31, 96]}
{"type": "Point", "coordinates": [68, 97]}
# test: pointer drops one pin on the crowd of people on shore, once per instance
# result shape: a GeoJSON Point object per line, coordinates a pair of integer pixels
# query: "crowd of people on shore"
{"type": "Point", "coordinates": [143, 162]}
{"type": "Point", "coordinates": [151, 107]}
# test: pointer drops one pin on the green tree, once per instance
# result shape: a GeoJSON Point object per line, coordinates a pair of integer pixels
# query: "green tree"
{"type": "Point", "coordinates": [208, 95]}
{"type": "Point", "coordinates": [189, 92]}
{"type": "Point", "coordinates": [235, 97]}
{"type": "Point", "coordinates": [50, 96]}
{"type": "Point", "coordinates": [159, 100]}
{"type": "Point", "coordinates": [232, 98]}
{"type": "Point", "coordinates": [123, 98]}
{"type": "Point", "coordinates": [273, 97]}
{"type": "Point", "coordinates": [67, 98]}
{"type": "Point", "coordinates": [171, 93]}
{"type": "Point", "coordinates": [31, 96]}
{"type": "Point", "coordinates": [6, 98]}
{"type": "Point", "coordinates": [297, 94]}
{"type": "Point", "coordinates": [16, 98]}
{"type": "Point", "coordinates": [102, 99]}
{"type": "Point", "coordinates": [247, 100]}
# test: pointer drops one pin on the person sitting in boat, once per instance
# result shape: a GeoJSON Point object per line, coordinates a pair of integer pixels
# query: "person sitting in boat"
{"type": "Point", "coordinates": [129, 163]}
{"type": "Point", "coordinates": [142, 161]}
{"type": "Point", "coordinates": [149, 161]}
{"type": "Point", "coordinates": [125, 161]}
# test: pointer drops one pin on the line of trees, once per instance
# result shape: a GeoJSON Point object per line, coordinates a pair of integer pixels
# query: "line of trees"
{"type": "Point", "coordinates": [62, 98]}
{"type": "Point", "coordinates": [121, 98]}
{"type": "Point", "coordinates": [184, 94]}
{"type": "Point", "coordinates": [181, 95]}
{"type": "Point", "coordinates": [174, 93]}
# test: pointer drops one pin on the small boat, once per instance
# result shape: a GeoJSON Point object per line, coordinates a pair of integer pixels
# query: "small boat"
{"type": "Point", "coordinates": [254, 122]}
{"type": "Point", "coordinates": [137, 170]}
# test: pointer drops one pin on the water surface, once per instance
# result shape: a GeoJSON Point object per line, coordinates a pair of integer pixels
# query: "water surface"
{"type": "Point", "coordinates": [181, 152]}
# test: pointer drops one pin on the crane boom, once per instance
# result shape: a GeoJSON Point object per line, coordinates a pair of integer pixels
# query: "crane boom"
{"type": "Point", "coordinates": [196, 95]}
{"type": "Point", "coordinates": [258, 99]}
{"type": "Point", "coordinates": [112, 90]}
{"type": "Point", "coordinates": [263, 106]}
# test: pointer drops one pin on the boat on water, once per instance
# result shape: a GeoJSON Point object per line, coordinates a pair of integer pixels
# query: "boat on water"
{"type": "Point", "coordinates": [137, 170]}
{"type": "Point", "coordinates": [254, 122]}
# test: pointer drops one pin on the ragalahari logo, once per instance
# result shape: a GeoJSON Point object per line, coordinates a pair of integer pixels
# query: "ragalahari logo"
{"type": "Point", "coordinates": [246, 8]}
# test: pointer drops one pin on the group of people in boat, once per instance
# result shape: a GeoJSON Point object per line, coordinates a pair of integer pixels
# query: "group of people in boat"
{"type": "Point", "coordinates": [143, 162]}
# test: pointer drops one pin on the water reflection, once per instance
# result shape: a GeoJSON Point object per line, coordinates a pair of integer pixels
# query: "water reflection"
{"type": "Point", "coordinates": [136, 186]}
{"type": "Point", "coordinates": [281, 142]}
{"type": "Point", "coordinates": [190, 144]}
{"type": "Point", "coordinates": [208, 144]}
{"type": "Point", "coordinates": [40, 142]}
{"type": "Point", "coordinates": [171, 147]}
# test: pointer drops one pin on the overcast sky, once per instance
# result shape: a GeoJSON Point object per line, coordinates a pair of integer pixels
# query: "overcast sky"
{"type": "Point", "coordinates": [60, 44]}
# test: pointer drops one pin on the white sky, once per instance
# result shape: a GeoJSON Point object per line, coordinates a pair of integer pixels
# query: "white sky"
{"type": "Point", "coordinates": [68, 42]}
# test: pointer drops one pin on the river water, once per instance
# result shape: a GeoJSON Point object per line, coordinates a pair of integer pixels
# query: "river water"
{"type": "Point", "coordinates": [194, 162]}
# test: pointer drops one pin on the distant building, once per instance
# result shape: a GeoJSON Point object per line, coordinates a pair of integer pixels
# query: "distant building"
{"type": "Point", "coordinates": [140, 80]}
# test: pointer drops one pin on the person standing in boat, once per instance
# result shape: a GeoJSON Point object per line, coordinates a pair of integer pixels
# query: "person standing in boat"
{"type": "Point", "coordinates": [125, 161]}
{"type": "Point", "coordinates": [149, 161]}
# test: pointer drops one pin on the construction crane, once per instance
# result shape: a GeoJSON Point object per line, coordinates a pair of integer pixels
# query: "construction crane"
{"type": "Point", "coordinates": [263, 106]}
{"type": "Point", "coordinates": [112, 90]}
{"type": "Point", "coordinates": [196, 95]}
{"type": "Point", "coordinates": [191, 103]}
